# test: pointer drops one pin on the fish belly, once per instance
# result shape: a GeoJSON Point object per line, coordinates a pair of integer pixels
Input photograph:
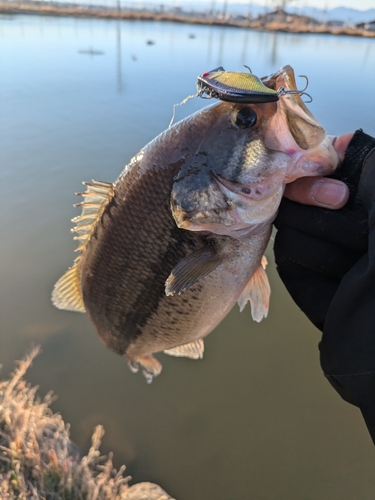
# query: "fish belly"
{"type": "Point", "coordinates": [193, 314]}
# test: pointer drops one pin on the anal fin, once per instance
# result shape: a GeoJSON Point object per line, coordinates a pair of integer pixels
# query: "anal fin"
{"type": "Point", "coordinates": [192, 268]}
{"type": "Point", "coordinates": [193, 350]}
{"type": "Point", "coordinates": [152, 367]}
{"type": "Point", "coordinates": [257, 292]}
{"type": "Point", "coordinates": [67, 291]}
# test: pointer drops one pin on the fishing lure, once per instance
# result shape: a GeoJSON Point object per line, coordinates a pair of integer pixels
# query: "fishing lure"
{"type": "Point", "coordinates": [232, 86]}
{"type": "Point", "coordinates": [239, 87]}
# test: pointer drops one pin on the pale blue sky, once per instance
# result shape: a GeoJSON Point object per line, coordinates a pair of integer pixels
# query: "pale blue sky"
{"type": "Point", "coordinates": [330, 4]}
{"type": "Point", "coordinates": [358, 4]}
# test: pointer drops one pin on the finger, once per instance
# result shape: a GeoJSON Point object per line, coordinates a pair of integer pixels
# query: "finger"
{"type": "Point", "coordinates": [340, 144]}
{"type": "Point", "coordinates": [318, 191]}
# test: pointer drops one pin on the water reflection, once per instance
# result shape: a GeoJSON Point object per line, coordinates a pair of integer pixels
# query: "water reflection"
{"type": "Point", "coordinates": [221, 47]}
{"type": "Point", "coordinates": [118, 56]}
{"type": "Point", "coordinates": [273, 55]}
{"type": "Point", "coordinates": [209, 44]}
{"type": "Point", "coordinates": [255, 418]}
{"type": "Point", "coordinates": [366, 55]}
{"type": "Point", "coordinates": [244, 47]}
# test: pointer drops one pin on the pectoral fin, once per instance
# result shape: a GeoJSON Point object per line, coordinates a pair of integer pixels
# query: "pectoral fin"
{"type": "Point", "coordinates": [192, 268]}
{"type": "Point", "coordinates": [193, 350]}
{"type": "Point", "coordinates": [257, 292]}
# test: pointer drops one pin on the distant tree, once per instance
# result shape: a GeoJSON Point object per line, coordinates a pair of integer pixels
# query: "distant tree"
{"type": "Point", "coordinates": [212, 8]}
{"type": "Point", "coordinates": [225, 6]}
{"type": "Point", "coordinates": [281, 4]}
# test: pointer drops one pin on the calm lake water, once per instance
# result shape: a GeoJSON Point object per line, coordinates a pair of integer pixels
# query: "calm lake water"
{"type": "Point", "coordinates": [254, 419]}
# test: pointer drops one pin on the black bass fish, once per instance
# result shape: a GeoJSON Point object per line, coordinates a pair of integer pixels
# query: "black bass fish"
{"type": "Point", "coordinates": [169, 248]}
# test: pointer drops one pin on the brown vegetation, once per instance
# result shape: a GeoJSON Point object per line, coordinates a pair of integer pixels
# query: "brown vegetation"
{"type": "Point", "coordinates": [38, 461]}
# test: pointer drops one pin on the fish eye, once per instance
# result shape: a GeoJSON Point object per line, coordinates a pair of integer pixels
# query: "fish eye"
{"type": "Point", "coordinates": [246, 118]}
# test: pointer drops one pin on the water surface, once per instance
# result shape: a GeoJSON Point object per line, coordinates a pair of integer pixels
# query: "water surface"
{"type": "Point", "coordinates": [255, 418]}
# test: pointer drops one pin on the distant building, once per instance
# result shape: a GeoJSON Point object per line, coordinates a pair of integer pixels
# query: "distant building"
{"type": "Point", "coordinates": [336, 24]}
{"type": "Point", "coordinates": [280, 16]}
{"type": "Point", "coordinates": [370, 26]}
{"type": "Point", "coordinates": [239, 18]}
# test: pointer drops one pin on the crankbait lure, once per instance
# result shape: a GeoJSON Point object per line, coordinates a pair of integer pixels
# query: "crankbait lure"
{"type": "Point", "coordinates": [239, 87]}
{"type": "Point", "coordinates": [232, 86]}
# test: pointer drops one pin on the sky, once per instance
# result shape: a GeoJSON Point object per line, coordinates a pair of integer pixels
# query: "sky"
{"type": "Point", "coordinates": [330, 4]}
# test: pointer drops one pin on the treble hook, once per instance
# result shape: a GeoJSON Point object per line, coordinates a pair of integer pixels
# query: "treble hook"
{"type": "Point", "coordinates": [281, 91]}
{"type": "Point", "coordinates": [307, 82]}
{"type": "Point", "coordinates": [248, 67]}
{"type": "Point", "coordinates": [311, 99]}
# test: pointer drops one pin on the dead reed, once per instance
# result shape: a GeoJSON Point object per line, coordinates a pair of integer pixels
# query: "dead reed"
{"type": "Point", "coordinates": [38, 461]}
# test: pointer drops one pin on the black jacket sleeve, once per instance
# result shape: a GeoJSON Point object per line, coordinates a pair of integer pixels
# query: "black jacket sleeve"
{"type": "Point", "coordinates": [326, 259]}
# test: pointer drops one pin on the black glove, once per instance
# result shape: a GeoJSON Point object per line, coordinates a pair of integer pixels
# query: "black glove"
{"type": "Point", "coordinates": [326, 259]}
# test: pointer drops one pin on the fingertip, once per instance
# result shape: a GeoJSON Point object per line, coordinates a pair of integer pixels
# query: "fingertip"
{"type": "Point", "coordinates": [341, 143]}
{"type": "Point", "coordinates": [318, 191]}
{"type": "Point", "coordinates": [329, 193]}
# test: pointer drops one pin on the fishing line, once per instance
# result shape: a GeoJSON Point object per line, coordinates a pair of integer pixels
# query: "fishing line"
{"type": "Point", "coordinates": [184, 101]}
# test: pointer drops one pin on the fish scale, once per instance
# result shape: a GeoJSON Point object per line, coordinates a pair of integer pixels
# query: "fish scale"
{"type": "Point", "coordinates": [144, 244]}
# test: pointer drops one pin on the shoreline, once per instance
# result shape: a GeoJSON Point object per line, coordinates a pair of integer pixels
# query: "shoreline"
{"type": "Point", "coordinates": [100, 13]}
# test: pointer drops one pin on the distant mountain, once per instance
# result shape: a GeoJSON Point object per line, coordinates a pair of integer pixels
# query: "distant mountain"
{"type": "Point", "coordinates": [345, 14]}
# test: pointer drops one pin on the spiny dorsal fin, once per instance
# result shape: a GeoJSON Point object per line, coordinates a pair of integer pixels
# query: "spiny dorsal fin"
{"type": "Point", "coordinates": [67, 291]}
{"type": "Point", "coordinates": [96, 197]}
{"type": "Point", "coordinates": [257, 292]}
{"type": "Point", "coordinates": [193, 350]}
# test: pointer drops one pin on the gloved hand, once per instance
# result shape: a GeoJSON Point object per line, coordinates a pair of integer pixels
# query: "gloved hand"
{"type": "Point", "coordinates": [326, 260]}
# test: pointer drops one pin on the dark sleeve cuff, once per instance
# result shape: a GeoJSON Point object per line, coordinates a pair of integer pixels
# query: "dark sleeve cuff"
{"type": "Point", "coordinates": [367, 186]}
{"type": "Point", "coordinates": [350, 170]}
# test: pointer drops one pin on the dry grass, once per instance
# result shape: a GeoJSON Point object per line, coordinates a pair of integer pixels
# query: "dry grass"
{"type": "Point", "coordinates": [39, 461]}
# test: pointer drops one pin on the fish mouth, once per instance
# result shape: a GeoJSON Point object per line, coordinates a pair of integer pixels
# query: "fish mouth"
{"type": "Point", "coordinates": [252, 191]}
{"type": "Point", "coordinates": [191, 220]}
{"type": "Point", "coordinates": [235, 187]}
{"type": "Point", "coordinates": [295, 131]}
{"type": "Point", "coordinates": [321, 160]}
{"type": "Point", "coordinates": [306, 131]}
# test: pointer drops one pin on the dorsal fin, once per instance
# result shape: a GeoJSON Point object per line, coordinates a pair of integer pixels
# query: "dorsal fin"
{"type": "Point", "coordinates": [96, 197]}
{"type": "Point", "coordinates": [193, 350]}
{"type": "Point", "coordinates": [67, 291]}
